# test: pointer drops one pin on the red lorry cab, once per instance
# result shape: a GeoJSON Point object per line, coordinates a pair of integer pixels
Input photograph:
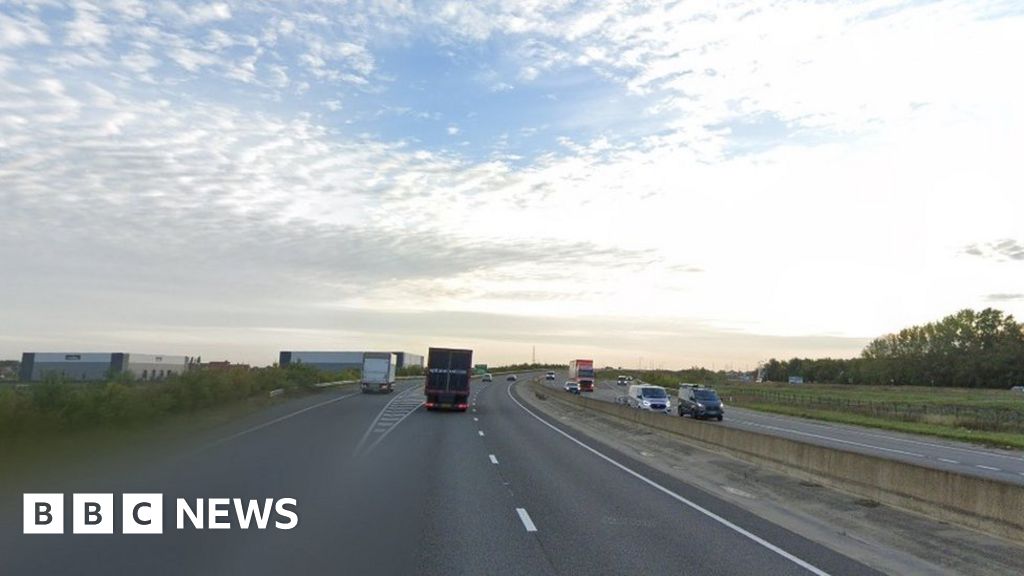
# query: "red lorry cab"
{"type": "Point", "coordinates": [582, 372]}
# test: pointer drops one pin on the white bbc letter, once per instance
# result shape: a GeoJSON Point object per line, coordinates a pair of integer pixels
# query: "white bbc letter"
{"type": "Point", "coordinates": [42, 514]}
{"type": "Point", "coordinates": [142, 513]}
{"type": "Point", "coordinates": [292, 515]}
{"type": "Point", "coordinates": [92, 514]}
{"type": "Point", "coordinates": [196, 517]}
{"type": "Point", "coordinates": [252, 511]}
{"type": "Point", "coordinates": [218, 508]}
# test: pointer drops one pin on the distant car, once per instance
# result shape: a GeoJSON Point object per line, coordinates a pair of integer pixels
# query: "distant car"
{"type": "Point", "coordinates": [487, 378]}
{"type": "Point", "coordinates": [1017, 389]}
{"type": "Point", "coordinates": [571, 386]}
{"type": "Point", "coordinates": [700, 402]}
{"type": "Point", "coordinates": [549, 376]}
{"type": "Point", "coordinates": [621, 380]}
{"type": "Point", "coordinates": [511, 378]}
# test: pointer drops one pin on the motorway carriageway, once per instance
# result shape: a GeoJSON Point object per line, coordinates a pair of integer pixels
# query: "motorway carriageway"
{"type": "Point", "coordinates": [385, 487]}
{"type": "Point", "coordinates": [963, 458]}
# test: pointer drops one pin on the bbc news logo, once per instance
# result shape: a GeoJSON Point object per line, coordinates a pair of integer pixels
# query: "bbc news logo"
{"type": "Point", "coordinates": [144, 513]}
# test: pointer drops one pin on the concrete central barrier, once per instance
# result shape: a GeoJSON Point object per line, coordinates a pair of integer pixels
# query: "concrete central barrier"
{"type": "Point", "coordinates": [987, 505]}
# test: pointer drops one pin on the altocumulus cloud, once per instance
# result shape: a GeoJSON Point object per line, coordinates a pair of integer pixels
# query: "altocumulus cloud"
{"type": "Point", "coordinates": [111, 195]}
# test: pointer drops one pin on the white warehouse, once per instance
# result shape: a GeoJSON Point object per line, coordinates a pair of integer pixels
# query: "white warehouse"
{"type": "Point", "coordinates": [86, 366]}
{"type": "Point", "coordinates": [338, 361]}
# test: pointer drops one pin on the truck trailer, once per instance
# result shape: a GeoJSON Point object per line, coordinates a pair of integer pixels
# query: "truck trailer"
{"type": "Point", "coordinates": [582, 373]}
{"type": "Point", "coordinates": [379, 371]}
{"type": "Point", "coordinates": [447, 382]}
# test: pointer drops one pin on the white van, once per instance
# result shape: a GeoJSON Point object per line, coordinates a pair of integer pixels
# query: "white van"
{"type": "Point", "coordinates": [649, 397]}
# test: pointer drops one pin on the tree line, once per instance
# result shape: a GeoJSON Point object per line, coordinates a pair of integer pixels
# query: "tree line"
{"type": "Point", "coordinates": [968, 349]}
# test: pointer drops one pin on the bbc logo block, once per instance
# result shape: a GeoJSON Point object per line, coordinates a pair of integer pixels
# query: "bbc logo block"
{"type": "Point", "coordinates": [43, 514]}
{"type": "Point", "coordinates": [142, 513]}
{"type": "Point", "coordinates": [93, 513]}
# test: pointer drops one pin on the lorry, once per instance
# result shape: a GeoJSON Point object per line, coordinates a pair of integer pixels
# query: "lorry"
{"type": "Point", "coordinates": [582, 372]}
{"type": "Point", "coordinates": [447, 382]}
{"type": "Point", "coordinates": [379, 371]}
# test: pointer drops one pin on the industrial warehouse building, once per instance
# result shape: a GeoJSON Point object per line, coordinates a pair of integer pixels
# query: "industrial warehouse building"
{"type": "Point", "coordinates": [407, 360]}
{"type": "Point", "coordinates": [338, 361]}
{"type": "Point", "coordinates": [35, 366]}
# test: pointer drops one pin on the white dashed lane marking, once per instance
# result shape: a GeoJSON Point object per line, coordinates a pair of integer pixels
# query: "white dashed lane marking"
{"type": "Point", "coordinates": [494, 460]}
{"type": "Point", "coordinates": [527, 522]}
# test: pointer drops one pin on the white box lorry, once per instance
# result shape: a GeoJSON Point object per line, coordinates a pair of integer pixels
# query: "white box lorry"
{"type": "Point", "coordinates": [379, 371]}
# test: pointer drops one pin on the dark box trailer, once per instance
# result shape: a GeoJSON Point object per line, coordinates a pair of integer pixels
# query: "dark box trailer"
{"type": "Point", "coordinates": [447, 383]}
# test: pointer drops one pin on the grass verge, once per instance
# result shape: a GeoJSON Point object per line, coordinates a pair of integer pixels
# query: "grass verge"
{"type": "Point", "coordinates": [985, 437]}
{"type": "Point", "coordinates": [981, 416]}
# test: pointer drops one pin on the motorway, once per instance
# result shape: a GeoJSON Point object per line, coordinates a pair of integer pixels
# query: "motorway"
{"type": "Point", "coordinates": [1004, 465]}
{"type": "Point", "coordinates": [385, 487]}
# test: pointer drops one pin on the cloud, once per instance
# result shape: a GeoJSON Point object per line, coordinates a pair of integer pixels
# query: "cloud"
{"type": "Point", "coordinates": [322, 60]}
{"type": "Point", "coordinates": [139, 62]}
{"type": "Point", "coordinates": [192, 60]}
{"type": "Point", "coordinates": [1004, 297]}
{"type": "Point", "coordinates": [246, 201]}
{"type": "Point", "coordinates": [196, 14]}
{"type": "Point", "coordinates": [1006, 249]}
{"type": "Point", "coordinates": [453, 130]}
{"type": "Point", "coordinates": [21, 30]}
{"type": "Point", "coordinates": [87, 28]}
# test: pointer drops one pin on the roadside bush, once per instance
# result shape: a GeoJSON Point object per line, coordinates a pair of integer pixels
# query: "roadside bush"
{"type": "Point", "coordinates": [58, 405]}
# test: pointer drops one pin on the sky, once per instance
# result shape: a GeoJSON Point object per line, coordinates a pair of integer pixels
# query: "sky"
{"type": "Point", "coordinates": [655, 184]}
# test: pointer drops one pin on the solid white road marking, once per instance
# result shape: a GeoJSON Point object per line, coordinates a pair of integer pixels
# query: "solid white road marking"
{"type": "Point", "coordinates": [841, 441]}
{"type": "Point", "coordinates": [948, 461]}
{"type": "Point", "coordinates": [854, 430]}
{"type": "Point", "coordinates": [750, 535]}
{"type": "Point", "coordinates": [525, 517]}
{"type": "Point", "coordinates": [278, 419]}
{"type": "Point", "coordinates": [993, 468]}
{"type": "Point", "coordinates": [494, 460]}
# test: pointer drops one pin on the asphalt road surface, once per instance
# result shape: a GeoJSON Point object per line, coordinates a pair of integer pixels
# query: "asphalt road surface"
{"type": "Point", "coordinates": [1005, 465]}
{"type": "Point", "coordinates": [385, 487]}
